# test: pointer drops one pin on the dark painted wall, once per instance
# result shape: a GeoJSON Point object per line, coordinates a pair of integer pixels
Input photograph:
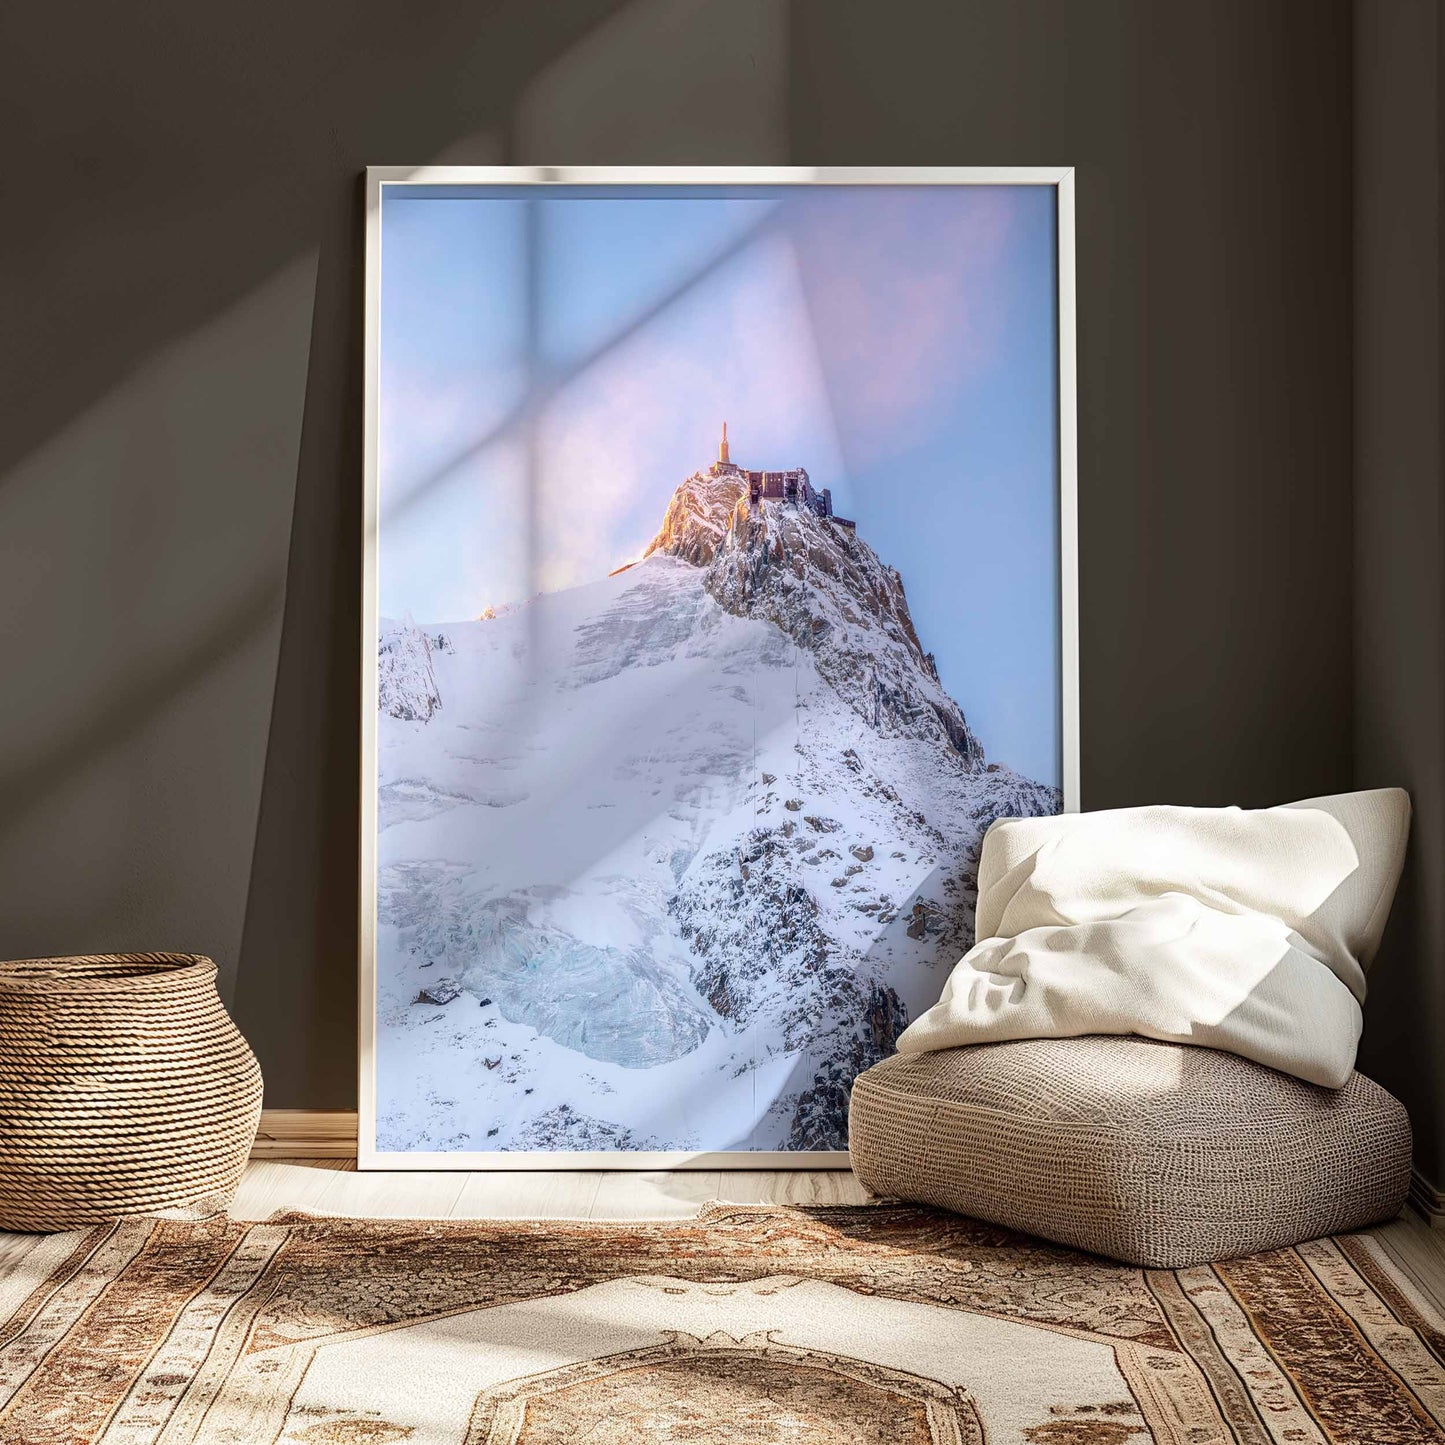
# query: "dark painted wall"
{"type": "Point", "coordinates": [181, 377]}
{"type": "Point", "coordinates": [1400, 530]}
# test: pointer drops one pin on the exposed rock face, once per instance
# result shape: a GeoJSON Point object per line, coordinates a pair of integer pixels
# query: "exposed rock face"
{"type": "Point", "coordinates": [564, 1127]}
{"type": "Point", "coordinates": [406, 682]}
{"type": "Point", "coordinates": [824, 1102]}
{"type": "Point", "coordinates": [754, 928]}
{"type": "Point", "coordinates": [828, 591]}
{"type": "Point", "coordinates": [697, 518]}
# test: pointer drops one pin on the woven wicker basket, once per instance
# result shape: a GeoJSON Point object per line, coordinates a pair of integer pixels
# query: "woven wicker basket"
{"type": "Point", "coordinates": [124, 1089]}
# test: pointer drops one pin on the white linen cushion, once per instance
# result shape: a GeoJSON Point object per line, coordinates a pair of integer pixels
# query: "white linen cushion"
{"type": "Point", "coordinates": [1243, 930]}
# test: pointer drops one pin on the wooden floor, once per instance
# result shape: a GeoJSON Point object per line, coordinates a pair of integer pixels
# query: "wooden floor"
{"type": "Point", "coordinates": [333, 1186]}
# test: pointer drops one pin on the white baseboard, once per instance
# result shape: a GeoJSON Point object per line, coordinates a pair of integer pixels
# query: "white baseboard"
{"type": "Point", "coordinates": [1428, 1201]}
{"type": "Point", "coordinates": [305, 1134]}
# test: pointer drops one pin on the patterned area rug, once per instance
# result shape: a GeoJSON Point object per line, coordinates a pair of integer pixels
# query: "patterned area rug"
{"type": "Point", "coordinates": [873, 1325]}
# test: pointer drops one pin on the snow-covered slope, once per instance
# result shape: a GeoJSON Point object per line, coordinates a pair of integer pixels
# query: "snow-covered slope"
{"type": "Point", "coordinates": [695, 840]}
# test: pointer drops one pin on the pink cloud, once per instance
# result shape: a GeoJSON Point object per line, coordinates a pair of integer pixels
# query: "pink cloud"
{"type": "Point", "coordinates": [897, 341]}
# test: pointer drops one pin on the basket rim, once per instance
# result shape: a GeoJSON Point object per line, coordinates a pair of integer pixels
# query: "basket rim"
{"type": "Point", "coordinates": [66, 973]}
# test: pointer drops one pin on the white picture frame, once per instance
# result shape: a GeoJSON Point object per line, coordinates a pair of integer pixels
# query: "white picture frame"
{"type": "Point", "coordinates": [379, 179]}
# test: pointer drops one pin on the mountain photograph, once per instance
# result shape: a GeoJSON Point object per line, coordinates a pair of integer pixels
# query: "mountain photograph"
{"type": "Point", "coordinates": [678, 810]}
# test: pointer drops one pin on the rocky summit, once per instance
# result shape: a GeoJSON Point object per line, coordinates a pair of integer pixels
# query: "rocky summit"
{"type": "Point", "coordinates": [826, 589]}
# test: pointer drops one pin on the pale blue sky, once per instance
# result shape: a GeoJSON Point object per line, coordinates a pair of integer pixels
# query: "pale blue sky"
{"type": "Point", "coordinates": [898, 342]}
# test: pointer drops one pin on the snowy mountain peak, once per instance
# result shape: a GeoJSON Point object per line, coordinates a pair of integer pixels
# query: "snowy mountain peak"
{"type": "Point", "coordinates": [779, 559]}
{"type": "Point", "coordinates": [692, 840]}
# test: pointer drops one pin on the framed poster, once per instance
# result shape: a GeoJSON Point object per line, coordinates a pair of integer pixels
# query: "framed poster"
{"type": "Point", "coordinates": [719, 592]}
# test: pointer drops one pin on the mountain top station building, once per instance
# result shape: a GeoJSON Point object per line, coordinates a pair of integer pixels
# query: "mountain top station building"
{"type": "Point", "coordinates": [788, 486]}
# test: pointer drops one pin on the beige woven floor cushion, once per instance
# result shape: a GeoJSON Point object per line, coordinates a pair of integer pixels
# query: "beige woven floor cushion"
{"type": "Point", "coordinates": [1159, 1154]}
